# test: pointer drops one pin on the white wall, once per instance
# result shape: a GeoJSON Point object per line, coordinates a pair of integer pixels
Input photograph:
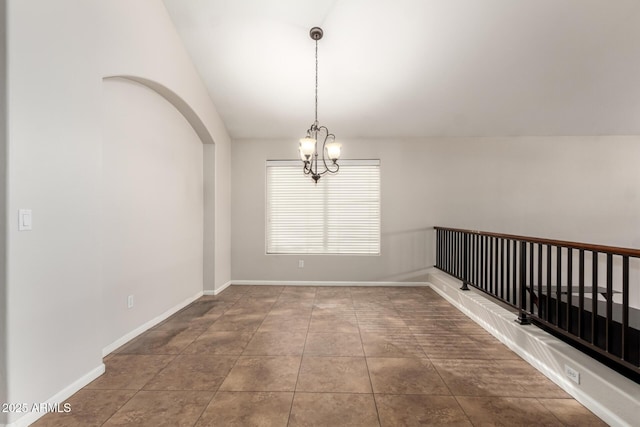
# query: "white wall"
{"type": "Point", "coordinates": [54, 283]}
{"type": "Point", "coordinates": [3, 203]}
{"type": "Point", "coordinates": [581, 189]}
{"type": "Point", "coordinates": [152, 204]}
{"type": "Point", "coordinates": [139, 39]}
{"type": "Point", "coordinates": [571, 188]}
{"type": "Point", "coordinates": [58, 54]}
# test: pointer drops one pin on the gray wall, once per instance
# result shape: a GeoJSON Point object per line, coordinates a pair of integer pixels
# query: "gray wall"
{"type": "Point", "coordinates": [572, 188]}
{"type": "Point", "coordinates": [209, 196]}
{"type": "Point", "coordinates": [406, 241]}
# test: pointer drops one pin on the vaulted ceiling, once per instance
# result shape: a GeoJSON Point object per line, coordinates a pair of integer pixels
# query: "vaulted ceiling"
{"type": "Point", "coordinates": [416, 68]}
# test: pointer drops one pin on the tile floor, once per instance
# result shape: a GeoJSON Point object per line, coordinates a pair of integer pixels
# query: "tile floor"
{"type": "Point", "coordinates": [325, 356]}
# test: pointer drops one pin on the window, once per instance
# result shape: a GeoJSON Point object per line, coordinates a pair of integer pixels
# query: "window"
{"type": "Point", "coordinates": [338, 215]}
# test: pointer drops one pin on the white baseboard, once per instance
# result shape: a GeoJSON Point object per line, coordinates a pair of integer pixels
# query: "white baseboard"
{"type": "Point", "coordinates": [31, 417]}
{"type": "Point", "coordinates": [150, 324]}
{"type": "Point", "coordinates": [609, 395]}
{"type": "Point", "coordinates": [322, 283]}
{"type": "Point", "coordinates": [217, 291]}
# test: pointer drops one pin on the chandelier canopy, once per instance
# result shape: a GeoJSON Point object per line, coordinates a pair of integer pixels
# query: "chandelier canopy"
{"type": "Point", "coordinates": [309, 144]}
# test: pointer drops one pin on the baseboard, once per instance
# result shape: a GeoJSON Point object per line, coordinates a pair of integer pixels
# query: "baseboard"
{"type": "Point", "coordinates": [147, 325]}
{"type": "Point", "coordinates": [217, 291]}
{"type": "Point", "coordinates": [59, 397]}
{"type": "Point", "coordinates": [609, 395]}
{"type": "Point", "coordinates": [322, 283]}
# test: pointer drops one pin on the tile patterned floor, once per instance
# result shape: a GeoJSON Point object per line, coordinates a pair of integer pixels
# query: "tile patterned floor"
{"type": "Point", "coordinates": [307, 356]}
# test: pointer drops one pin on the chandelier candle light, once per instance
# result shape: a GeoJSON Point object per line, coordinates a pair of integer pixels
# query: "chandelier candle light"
{"type": "Point", "coordinates": [309, 144]}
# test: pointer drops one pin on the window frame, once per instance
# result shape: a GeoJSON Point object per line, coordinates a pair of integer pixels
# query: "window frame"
{"type": "Point", "coordinates": [298, 164]}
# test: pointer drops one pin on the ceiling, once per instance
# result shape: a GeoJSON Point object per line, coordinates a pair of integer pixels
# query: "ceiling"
{"type": "Point", "coordinates": [418, 68]}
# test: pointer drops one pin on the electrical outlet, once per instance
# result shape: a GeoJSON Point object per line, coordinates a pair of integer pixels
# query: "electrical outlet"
{"type": "Point", "coordinates": [301, 263]}
{"type": "Point", "coordinates": [572, 374]}
{"type": "Point", "coordinates": [130, 301]}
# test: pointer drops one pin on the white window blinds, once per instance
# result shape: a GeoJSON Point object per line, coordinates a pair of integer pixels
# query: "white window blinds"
{"type": "Point", "coordinates": [338, 215]}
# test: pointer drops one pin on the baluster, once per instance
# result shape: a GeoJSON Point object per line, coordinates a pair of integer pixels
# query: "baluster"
{"type": "Point", "coordinates": [609, 302]}
{"type": "Point", "coordinates": [581, 293]}
{"type": "Point", "coordinates": [465, 261]}
{"type": "Point", "coordinates": [539, 278]}
{"type": "Point", "coordinates": [496, 262]}
{"type": "Point", "coordinates": [594, 299]}
{"type": "Point", "coordinates": [509, 282]}
{"type": "Point", "coordinates": [437, 248]}
{"type": "Point", "coordinates": [514, 297]}
{"type": "Point", "coordinates": [548, 299]}
{"type": "Point", "coordinates": [625, 305]}
{"type": "Point", "coordinates": [490, 290]}
{"type": "Point", "coordinates": [569, 286]}
{"type": "Point", "coordinates": [485, 253]}
{"type": "Point", "coordinates": [558, 322]}
{"type": "Point", "coordinates": [523, 319]}
{"type": "Point", "coordinates": [476, 258]}
{"type": "Point", "coordinates": [502, 267]}
{"type": "Point", "coordinates": [451, 253]}
{"type": "Point", "coordinates": [531, 288]}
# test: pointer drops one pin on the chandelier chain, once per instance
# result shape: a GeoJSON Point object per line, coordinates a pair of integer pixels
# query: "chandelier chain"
{"type": "Point", "coordinates": [316, 81]}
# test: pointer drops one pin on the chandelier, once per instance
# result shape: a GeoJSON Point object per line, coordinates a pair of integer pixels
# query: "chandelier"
{"type": "Point", "coordinates": [309, 144]}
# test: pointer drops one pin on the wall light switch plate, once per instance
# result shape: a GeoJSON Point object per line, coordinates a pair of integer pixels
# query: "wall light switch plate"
{"type": "Point", "coordinates": [25, 219]}
{"type": "Point", "coordinates": [301, 263]}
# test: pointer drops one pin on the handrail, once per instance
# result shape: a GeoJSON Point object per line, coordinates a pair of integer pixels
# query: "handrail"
{"type": "Point", "coordinates": [567, 288]}
{"type": "Point", "coordinates": [563, 243]}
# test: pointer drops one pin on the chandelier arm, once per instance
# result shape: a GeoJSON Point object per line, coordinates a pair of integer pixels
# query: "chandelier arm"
{"type": "Point", "coordinates": [328, 168]}
{"type": "Point", "coordinates": [330, 171]}
{"type": "Point", "coordinates": [328, 135]}
{"type": "Point", "coordinates": [306, 168]}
